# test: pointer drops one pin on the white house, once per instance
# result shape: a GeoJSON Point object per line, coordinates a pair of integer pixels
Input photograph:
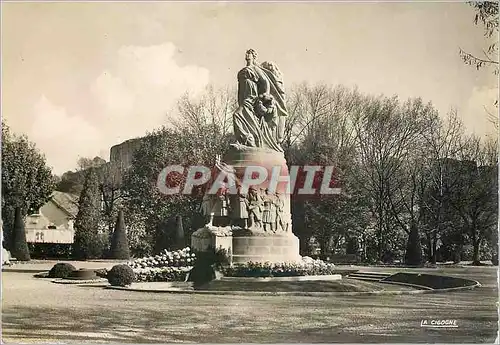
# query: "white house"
{"type": "Point", "coordinates": [53, 223]}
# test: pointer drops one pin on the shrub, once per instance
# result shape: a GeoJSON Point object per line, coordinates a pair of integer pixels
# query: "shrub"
{"type": "Point", "coordinates": [121, 275]}
{"type": "Point", "coordinates": [102, 273]}
{"type": "Point", "coordinates": [61, 270]}
{"type": "Point", "coordinates": [19, 246]}
{"type": "Point", "coordinates": [119, 241]}
{"type": "Point", "coordinates": [203, 269]}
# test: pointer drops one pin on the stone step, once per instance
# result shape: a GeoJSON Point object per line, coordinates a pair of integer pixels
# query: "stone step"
{"type": "Point", "coordinates": [369, 276]}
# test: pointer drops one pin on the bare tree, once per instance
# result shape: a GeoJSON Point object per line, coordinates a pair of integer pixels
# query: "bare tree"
{"type": "Point", "coordinates": [487, 16]}
{"type": "Point", "coordinates": [211, 112]}
{"type": "Point", "coordinates": [387, 134]}
{"type": "Point", "coordinates": [407, 188]}
{"type": "Point", "coordinates": [110, 177]}
{"type": "Point", "coordinates": [474, 198]}
{"type": "Point", "coordinates": [442, 142]}
{"type": "Point", "coordinates": [319, 132]}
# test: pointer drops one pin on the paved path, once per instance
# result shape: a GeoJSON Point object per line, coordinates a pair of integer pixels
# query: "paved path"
{"type": "Point", "coordinates": [37, 310]}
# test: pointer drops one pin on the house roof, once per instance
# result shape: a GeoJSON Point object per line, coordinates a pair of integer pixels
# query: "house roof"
{"type": "Point", "coordinates": [66, 201]}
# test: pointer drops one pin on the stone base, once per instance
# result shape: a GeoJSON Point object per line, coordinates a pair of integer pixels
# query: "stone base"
{"type": "Point", "coordinates": [248, 246]}
{"type": "Point", "coordinates": [212, 237]}
{"type": "Point", "coordinates": [273, 248]}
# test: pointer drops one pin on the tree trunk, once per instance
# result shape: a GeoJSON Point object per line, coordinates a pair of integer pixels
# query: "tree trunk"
{"type": "Point", "coordinates": [434, 248]}
{"type": "Point", "coordinates": [476, 260]}
{"type": "Point", "coordinates": [429, 247]}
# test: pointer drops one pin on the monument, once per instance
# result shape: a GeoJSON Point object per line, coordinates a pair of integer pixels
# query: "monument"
{"type": "Point", "coordinates": [253, 222]}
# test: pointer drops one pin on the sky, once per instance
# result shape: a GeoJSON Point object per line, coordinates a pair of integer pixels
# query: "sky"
{"type": "Point", "coordinates": [78, 78]}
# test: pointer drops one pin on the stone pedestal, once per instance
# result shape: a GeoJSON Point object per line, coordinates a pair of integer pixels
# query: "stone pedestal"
{"type": "Point", "coordinates": [265, 248]}
{"type": "Point", "coordinates": [257, 244]}
{"type": "Point", "coordinates": [212, 237]}
{"type": "Point", "coordinates": [267, 234]}
{"type": "Point", "coordinates": [246, 246]}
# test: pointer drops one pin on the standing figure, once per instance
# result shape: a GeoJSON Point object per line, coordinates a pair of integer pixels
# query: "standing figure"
{"type": "Point", "coordinates": [280, 205]}
{"type": "Point", "coordinates": [206, 206]}
{"type": "Point", "coordinates": [220, 209]}
{"type": "Point", "coordinates": [269, 211]}
{"type": "Point", "coordinates": [254, 209]}
{"type": "Point", "coordinates": [239, 209]}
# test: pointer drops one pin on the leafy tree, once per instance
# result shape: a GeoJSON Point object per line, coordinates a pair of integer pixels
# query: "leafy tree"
{"type": "Point", "coordinates": [163, 236]}
{"type": "Point", "coordinates": [201, 133]}
{"type": "Point", "coordinates": [88, 243]}
{"type": "Point", "coordinates": [19, 246]}
{"type": "Point", "coordinates": [27, 181]}
{"type": "Point", "coordinates": [85, 163]}
{"type": "Point", "coordinates": [71, 182]}
{"type": "Point", "coordinates": [119, 242]}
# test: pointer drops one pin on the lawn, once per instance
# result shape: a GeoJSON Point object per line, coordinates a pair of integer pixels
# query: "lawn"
{"type": "Point", "coordinates": [36, 310]}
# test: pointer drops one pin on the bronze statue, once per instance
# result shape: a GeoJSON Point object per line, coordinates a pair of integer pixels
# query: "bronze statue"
{"type": "Point", "coordinates": [259, 119]}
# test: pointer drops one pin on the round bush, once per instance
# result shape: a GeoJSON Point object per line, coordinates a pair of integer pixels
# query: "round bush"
{"type": "Point", "coordinates": [121, 275]}
{"type": "Point", "coordinates": [61, 270]}
{"type": "Point", "coordinates": [102, 273]}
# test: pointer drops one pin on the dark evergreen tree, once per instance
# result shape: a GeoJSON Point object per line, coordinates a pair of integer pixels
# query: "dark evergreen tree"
{"type": "Point", "coordinates": [20, 249]}
{"type": "Point", "coordinates": [179, 233]}
{"type": "Point", "coordinates": [163, 238]}
{"type": "Point", "coordinates": [119, 241]}
{"type": "Point", "coordinates": [88, 244]}
{"type": "Point", "coordinates": [413, 255]}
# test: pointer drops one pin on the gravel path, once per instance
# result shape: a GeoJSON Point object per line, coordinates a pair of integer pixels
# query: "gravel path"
{"type": "Point", "coordinates": [36, 310]}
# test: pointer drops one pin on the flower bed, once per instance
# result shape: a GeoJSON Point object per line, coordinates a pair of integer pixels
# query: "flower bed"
{"type": "Point", "coordinates": [307, 267]}
{"type": "Point", "coordinates": [167, 266]}
{"type": "Point", "coordinates": [162, 274]}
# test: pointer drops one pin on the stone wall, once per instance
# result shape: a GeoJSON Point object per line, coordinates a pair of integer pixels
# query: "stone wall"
{"type": "Point", "coordinates": [124, 152]}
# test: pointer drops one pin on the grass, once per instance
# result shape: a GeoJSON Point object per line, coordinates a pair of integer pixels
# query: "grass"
{"type": "Point", "coordinates": [36, 310]}
{"type": "Point", "coordinates": [344, 285]}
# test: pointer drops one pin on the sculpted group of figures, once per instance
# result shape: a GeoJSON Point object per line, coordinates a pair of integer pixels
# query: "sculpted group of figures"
{"type": "Point", "coordinates": [259, 120]}
{"type": "Point", "coordinates": [256, 210]}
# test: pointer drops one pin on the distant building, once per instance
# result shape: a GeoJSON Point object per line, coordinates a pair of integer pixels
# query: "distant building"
{"type": "Point", "coordinates": [53, 223]}
{"type": "Point", "coordinates": [124, 152]}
